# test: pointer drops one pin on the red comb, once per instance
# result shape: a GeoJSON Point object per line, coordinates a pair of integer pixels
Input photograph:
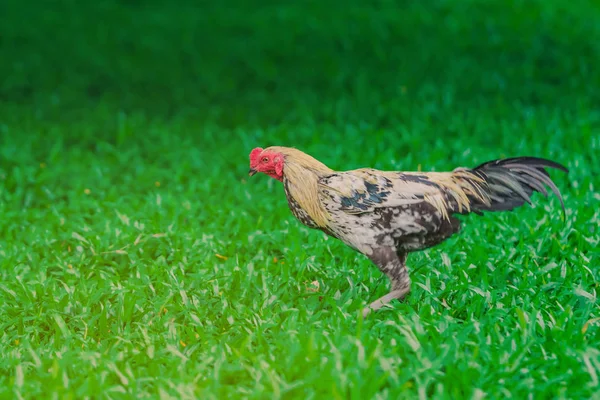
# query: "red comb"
{"type": "Point", "coordinates": [254, 155]}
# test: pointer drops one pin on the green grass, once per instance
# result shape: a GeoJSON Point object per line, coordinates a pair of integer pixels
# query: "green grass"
{"type": "Point", "coordinates": [138, 260]}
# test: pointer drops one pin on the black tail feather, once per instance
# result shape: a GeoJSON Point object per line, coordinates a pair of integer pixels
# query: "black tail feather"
{"type": "Point", "coordinates": [511, 182]}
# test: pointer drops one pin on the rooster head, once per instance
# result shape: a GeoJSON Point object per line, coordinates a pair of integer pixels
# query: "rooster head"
{"type": "Point", "coordinates": [268, 162]}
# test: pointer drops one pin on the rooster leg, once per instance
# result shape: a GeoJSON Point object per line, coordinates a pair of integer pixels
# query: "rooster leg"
{"type": "Point", "coordinates": [394, 266]}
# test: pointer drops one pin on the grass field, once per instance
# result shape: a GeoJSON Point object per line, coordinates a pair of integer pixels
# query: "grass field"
{"type": "Point", "coordinates": [137, 260]}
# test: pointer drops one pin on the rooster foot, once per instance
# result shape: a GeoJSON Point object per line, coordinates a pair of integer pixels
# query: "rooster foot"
{"type": "Point", "coordinates": [382, 301]}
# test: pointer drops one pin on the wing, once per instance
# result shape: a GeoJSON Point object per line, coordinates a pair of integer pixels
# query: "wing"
{"type": "Point", "coordinates": [365, 190]}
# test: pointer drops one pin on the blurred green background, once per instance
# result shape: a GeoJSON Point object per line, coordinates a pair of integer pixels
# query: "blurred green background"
{"type": "Point", "coordinates": [372, 65]}
{"type": "Point", "coordinates": [137, 258]}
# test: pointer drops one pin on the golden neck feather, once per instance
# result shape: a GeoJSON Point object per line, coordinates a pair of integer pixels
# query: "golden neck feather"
{"type": "Point", "coordinates": [302, 173]}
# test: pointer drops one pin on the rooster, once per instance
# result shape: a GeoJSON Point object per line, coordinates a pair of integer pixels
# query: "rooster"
{"type": "Point", "coordinates": [385, 215]}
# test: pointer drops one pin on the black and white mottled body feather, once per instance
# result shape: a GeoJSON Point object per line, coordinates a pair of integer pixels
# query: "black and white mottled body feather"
{"type": "Point", "coordinates": [385, 215]}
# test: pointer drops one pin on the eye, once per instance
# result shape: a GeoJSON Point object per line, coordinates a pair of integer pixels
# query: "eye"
{"type": "Point", "coordinates": [265, 159]}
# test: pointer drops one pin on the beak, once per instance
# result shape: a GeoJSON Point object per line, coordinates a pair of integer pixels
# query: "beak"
{"type": "Point", "coordinates": [252, 172]}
